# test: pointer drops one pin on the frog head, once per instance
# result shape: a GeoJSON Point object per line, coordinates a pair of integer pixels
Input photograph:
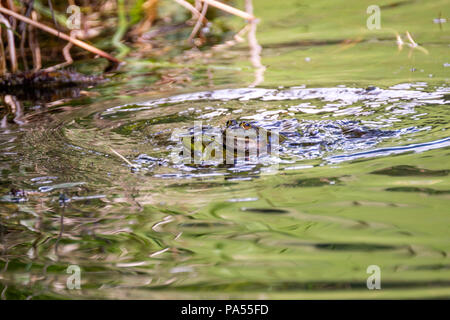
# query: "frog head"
{"type": "Point", "coordinates": [245, 125]}
{"type": "Point", "coordinates": [231, 123]}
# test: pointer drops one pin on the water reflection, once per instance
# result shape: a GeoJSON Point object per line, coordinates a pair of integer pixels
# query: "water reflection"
{"type": "Point", "coordinates": [67, 198]}
{"type": "Point", "coordinates": [255, 48]}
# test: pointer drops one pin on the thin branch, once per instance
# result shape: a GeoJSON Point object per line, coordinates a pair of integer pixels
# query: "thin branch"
{"type": "Point", "coordinates": [400, 42]}
{"type": "Point", "coordinates": [61, 35]}
{"type": "Point", "coordinates": [238, 38]}
{"type": "Point", "coordinates": [122, 157]}
{"type": "Point", "coordinates": [22, 50]}
{"type": "Point", "coordinates": [190, 7]}
{"type": "Point", "coordinates": [230, 9]}
{"type": "Point", "coordinates": [198, 24]}
{"type": "Point", "coordinates": [198, 4]}
{"type": "Point", "coordinates": [2, 56]}
{"type": "Point", "coordinates": [33, 43]}
{"type": "Point", "coordinates": [11, 6]}
{"type": "Point", "coordinates": [414, 44]}
{"type": "Point", "coordinates": [29, 8]}
{"type": "Point", "coordinates": [50, 5]}
{"type": "Point", "coordinates": [22, 29]}
{"type": "Point", "coordinates": [11, 45]}
{"type": "Point", "coordinates": [67, 57]}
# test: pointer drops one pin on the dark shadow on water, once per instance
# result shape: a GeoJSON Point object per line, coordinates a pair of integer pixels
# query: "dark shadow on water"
{"type": "Point", "coordinates": [405, 170]}
{"type": "Point", "coordinates": [353, 247]}
{"type": "Point", "coordinates": [312, 182]}
{"type": "Point", "coordinates": [265, 210]}
{"type": "Point", "coordinates": [428, 191]}
{"type": "Point", "coordinates": [43, 95]}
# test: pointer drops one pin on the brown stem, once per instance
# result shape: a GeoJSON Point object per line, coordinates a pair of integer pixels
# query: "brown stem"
{"type": "Point", "coordinates": [12, 7]}
{"type": "Point", "coordinates": [190, 7]}
{"type": "Point", "coordinates": [2, 55]}
{"type": "Point", "coordinates": [22, 49]}
{"type": "Point", "coordinates": [67, 57]}
{"type": "Point", "coordinates": [34, 44]}
{"type": "Point", "coordinates": [11, 44]}
{"type": "Point", "coordinates": [198, 24]}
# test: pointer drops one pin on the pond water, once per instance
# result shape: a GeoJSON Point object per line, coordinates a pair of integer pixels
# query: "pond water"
{"type": "Point", "coordinates": [363, 178]}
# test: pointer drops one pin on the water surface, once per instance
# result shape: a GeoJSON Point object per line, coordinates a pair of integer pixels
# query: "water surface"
{"type": "Point", "coordinates": [362, 180]}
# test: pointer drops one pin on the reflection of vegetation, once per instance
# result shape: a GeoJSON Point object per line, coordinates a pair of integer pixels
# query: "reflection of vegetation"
{"type": "Point", "coordinates": [312, 182]}
{"type": "Point", "coordinates": [353, 246]}
{"type": "Point", "coordinates": [421, 190]}
{"type": "Point", "coordinates": [405, 170]}
{"type": "Point", "coordinates": [265, 210]}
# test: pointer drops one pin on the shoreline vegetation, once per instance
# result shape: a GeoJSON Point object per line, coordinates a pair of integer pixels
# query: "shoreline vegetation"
{"type": "Point", "coordinates": [25, 29]}
{"type": "Point", "coordinates": [55, 49]}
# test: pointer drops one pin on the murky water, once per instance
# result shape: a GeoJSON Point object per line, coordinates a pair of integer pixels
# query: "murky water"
{"type": "Point", "coordinates": [351, 190]}
{"type": "Point", "coordinates": [362, 179]}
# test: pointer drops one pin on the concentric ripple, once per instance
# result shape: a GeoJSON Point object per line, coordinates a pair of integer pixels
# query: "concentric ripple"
{"type": "Point", "coordinates": [362, 180]}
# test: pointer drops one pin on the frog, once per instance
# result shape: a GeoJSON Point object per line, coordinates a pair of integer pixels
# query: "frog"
{"type": "Point", "coordinates": [235, 134]}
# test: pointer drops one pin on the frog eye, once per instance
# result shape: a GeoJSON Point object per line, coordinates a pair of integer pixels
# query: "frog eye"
{"type": "Point", "coordinates": [245, 125]}
{"type": "Point", "coordinates": [231, 123]}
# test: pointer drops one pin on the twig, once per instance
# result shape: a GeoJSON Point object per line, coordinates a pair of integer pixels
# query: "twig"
{"type": "Point", "coordinates": [122, 157]}
{"type": "Point", "coordinates": [399, 42]}
{"type": "Point", "coordinates": [255, 48]}
{"type": "Point", "coordinates": [23, 31]}
{"type": "Point", "coordinates": [198, 4]}
{"type": "Point", "coordinates": [230, 9]}
{"type": "Point", "coordinates": [33, 42]}
{"type": "Point", "coordinates": [29, 7]}
{"type": "Point", "coordinates": [50, 5]}
{"type": "Point", "coordinates": [66, 53]}
{"type": "Point", "coordinates": [198, 24]}
{"type": "Point", "coordinates": [22, 50]}
{"type": "Point", "coordinates": [190, 7]}
{"type": "Point", "coordinates": [61, 35]}
{"type": "Point", "coordinates": [2, 56]}
{"type": "Point", "coordinates": [414, 45]}
{"type": "Point", "coordinates": [67, 57]}
{"type": "Point", "coordinates": [12, 7]}
{"type": "Point", "coordinates": [11, 45]}
{"type": "Point", "coordinates": [236, 39]}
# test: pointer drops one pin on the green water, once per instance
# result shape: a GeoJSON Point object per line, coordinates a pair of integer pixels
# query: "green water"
{"type": "Point", "coordinates": [335, 206]}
